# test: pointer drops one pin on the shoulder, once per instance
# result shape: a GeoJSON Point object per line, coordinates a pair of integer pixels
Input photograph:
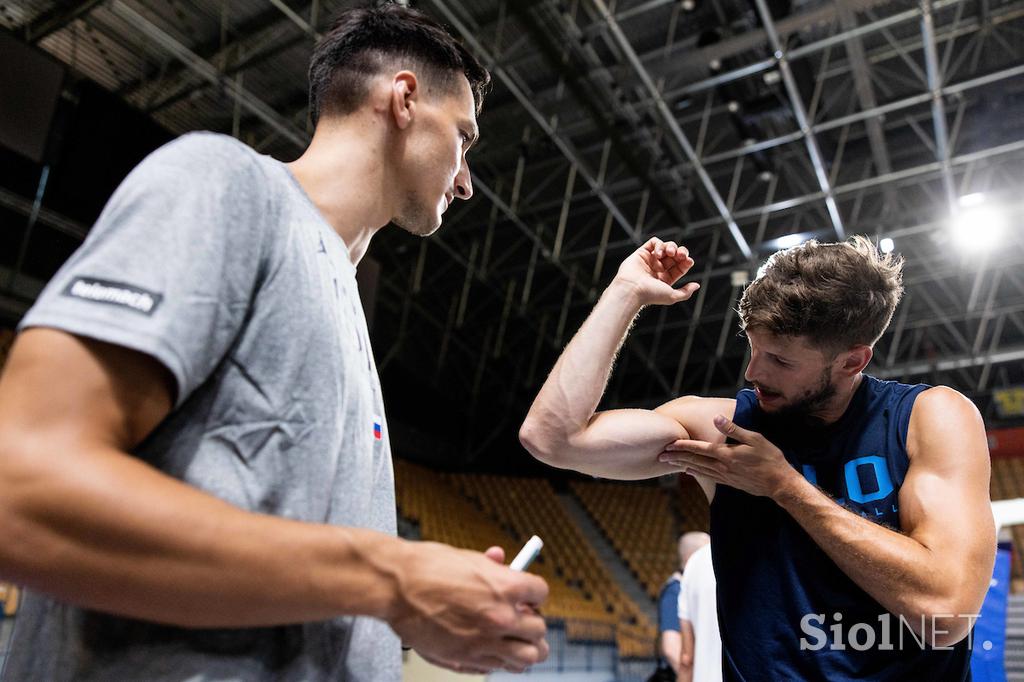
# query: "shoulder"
{"type": "Point", "coordinates": [207, 146]}
{"type": "Point", "coordinates": [943, 402]}
{"type": "Point", "coordinates": [201, 155]}
{"type": "Point", "coordinates": [943, 420]}
{"type": "Point", "coordinates": [671, 584]}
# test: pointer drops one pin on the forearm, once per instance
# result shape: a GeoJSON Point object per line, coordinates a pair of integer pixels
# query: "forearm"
{"type": "Point", "coordinates": [116, 535]}
{"type": "Point", "coordinates": [684, 669]}
{"type": "Point", "coordinates": [670, 647]}
{"type": "Point", "coordinates": [573, 389]}
{"type": "Point", "coordinates": [903, 575]}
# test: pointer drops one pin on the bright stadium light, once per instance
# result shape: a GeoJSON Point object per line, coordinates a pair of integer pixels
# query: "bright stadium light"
{"type": "Point", "coordinates": [788, 241]}
{"type": "Point", "coordinates": [886, 245]}
{"type": "Point", "coordinates": [977, 226]}
{"type": "Point", "coordinates": [975, 199]}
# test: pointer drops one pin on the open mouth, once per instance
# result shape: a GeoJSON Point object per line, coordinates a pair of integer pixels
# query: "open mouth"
{"type": "Point", "coordinates": [765, 395]}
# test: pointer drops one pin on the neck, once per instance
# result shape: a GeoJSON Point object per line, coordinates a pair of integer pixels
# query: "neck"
{"type": "Point", "coordinates": [837, 407]}
{"type": "Point", "coordinates": [344, 174]}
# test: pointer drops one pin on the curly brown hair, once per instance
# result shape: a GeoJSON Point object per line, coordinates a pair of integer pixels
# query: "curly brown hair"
{"type": "Point", "coordinates": [837, 295]}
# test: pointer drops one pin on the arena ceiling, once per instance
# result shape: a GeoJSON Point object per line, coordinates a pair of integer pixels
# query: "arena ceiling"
{"type": "Point", "coordinates": [724, 124]}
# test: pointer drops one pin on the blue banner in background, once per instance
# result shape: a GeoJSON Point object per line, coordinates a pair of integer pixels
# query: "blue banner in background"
{"type": "Point", "coordinates": [990, 631]}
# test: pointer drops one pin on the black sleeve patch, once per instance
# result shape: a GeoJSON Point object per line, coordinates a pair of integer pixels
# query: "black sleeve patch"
{"type": "Point", "coordinates": [113, 293]}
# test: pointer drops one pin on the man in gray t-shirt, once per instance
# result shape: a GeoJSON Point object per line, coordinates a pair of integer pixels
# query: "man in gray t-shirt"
{"type": "Point", "coordinates": [197, 472]}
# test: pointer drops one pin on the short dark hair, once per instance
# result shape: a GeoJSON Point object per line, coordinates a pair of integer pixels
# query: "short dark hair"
{"type": "Point", "coordinates": [363, 41]}
{"type": "Point", "coordinates": [838, 295]}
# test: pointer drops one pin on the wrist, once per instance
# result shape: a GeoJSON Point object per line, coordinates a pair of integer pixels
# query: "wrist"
{"type": "Point", "coordinates": [366, 569]}
{"type": "Point", "coordinates": [788, 487]}
{"type": "Point", "coordinates": [625, 292]}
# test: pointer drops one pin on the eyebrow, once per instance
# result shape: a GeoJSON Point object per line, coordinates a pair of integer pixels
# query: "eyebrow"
{"type": "Point", "coordinates": [474, 133]}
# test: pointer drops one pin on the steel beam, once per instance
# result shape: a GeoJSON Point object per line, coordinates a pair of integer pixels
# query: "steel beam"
{"type": "Point", "coordinates": [800, 112]}
{"type": "Point", "coordinates": [296, 19]}
{"type": "Point", "coordinates": [949, 364]}
{"type": "Point", "coordinates": [931, 61]}
{"type": "Point", "coordinates": [57, 18]}
{"type": "Point", "coordinates": [913, 172]}
{"type": "Point", "coordinates": [203, 68]}
{"type": "Point", "coordinates": [866, 94]}
{"type": "Point", "coordinates": [673, 126]}
{"type": "Point", "coordinates": [525, 101]}
{"type": "Point", "coordinates": [752, 40]}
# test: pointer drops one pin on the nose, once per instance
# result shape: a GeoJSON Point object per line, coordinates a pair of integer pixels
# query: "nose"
{"type": "Point", "coordinates": [751, 374]}
{"type": "Point", "coordinates": [464, 182]}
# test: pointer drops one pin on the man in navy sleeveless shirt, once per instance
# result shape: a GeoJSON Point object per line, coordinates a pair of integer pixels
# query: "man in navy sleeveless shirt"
{"type": "Point", "coordinates": [850, 518]}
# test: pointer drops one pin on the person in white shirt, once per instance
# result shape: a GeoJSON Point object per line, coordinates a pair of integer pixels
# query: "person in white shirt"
{"type": "Point", "coordinates": [700, 655]}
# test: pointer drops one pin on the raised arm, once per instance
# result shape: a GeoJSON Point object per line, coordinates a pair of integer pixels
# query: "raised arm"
{"type": "Point", "coordinates": [562, 428]}
{"type": "Point", "coordinates": [88, 523]}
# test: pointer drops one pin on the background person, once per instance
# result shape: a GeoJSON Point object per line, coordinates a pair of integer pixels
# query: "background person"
{"type": "Point", "coordinates": [700, 654]}
{"type": "Point", "coordinates": [669, 640]}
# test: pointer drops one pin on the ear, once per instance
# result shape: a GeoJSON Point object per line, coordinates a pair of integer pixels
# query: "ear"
{"type": "Point", "coordinates": [854, 360]}
{"type": "Point", "coordinates": [405, 93]}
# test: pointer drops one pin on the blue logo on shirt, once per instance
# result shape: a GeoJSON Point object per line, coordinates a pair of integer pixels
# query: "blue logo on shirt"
{"type": "Point", "coordinates": [853, 480]}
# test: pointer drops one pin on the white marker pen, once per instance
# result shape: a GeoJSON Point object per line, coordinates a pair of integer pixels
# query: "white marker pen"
{"type": "Point", "coordinates": [527, 554]}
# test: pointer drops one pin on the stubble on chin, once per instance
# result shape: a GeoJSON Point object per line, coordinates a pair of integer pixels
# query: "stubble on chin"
{"type": "Point", "coordinates": [416, 220]}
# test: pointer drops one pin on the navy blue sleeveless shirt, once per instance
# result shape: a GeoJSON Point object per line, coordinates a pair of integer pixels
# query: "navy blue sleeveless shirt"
{"type": "Point", "coordinates": [778, 591]}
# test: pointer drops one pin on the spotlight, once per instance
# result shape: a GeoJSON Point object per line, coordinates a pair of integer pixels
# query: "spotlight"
{"type": "Point", "coordinates": [886, 245]}
{"type": "Point", "coordinates": [978, 227]}
{"type": "Point", "coordinates": [784, 242]}
{"type": "Point", "coordinates": [788, 241]}
{"type": "Point", "coordinates": [689, 5]}
{"type": "Point", "coordinates": [975, 199]}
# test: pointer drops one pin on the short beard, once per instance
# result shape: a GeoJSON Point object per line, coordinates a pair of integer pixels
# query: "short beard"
{"type": "Point", "coordinates": [814, 401]}
{"type": "Point", "coordinates": [414, 219]}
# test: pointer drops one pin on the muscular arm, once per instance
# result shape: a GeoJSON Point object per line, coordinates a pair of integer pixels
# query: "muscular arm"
{"type": "Point", "coordinates": [94, 526]}
{"type": "Point", "coordinates": [562, 428]}
{"type": "Point", "coordinates": [940, 565]}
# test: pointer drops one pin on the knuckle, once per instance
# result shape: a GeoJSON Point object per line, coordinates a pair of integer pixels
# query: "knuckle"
{"type": "Point", "coordinates": [500, 621]}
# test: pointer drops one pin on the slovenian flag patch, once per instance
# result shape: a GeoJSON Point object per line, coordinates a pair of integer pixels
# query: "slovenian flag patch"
{"type": "Point", "coordinates": [377, 430]}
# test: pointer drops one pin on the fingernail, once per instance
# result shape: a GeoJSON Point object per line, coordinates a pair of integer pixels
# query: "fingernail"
{"type": "Point", "coordinates": [720, 420]}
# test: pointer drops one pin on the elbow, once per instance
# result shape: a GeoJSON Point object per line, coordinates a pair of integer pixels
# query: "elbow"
{"type": "Point", "coordinates": [545, 446]}
{"type": "Point", "coordinates": [949, 628]}
{"type": "Point", "coordinates": [943, 623]}
{"type": "Point", "coordinates": [531, 437]}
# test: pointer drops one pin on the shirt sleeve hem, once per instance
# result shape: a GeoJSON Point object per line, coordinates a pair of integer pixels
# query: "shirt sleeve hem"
{"type": "Point", "coordinates": [107, 332]}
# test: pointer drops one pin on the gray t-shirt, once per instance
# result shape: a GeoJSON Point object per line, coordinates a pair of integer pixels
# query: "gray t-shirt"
{"type": "Point", "coordinates": [210, 258]}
